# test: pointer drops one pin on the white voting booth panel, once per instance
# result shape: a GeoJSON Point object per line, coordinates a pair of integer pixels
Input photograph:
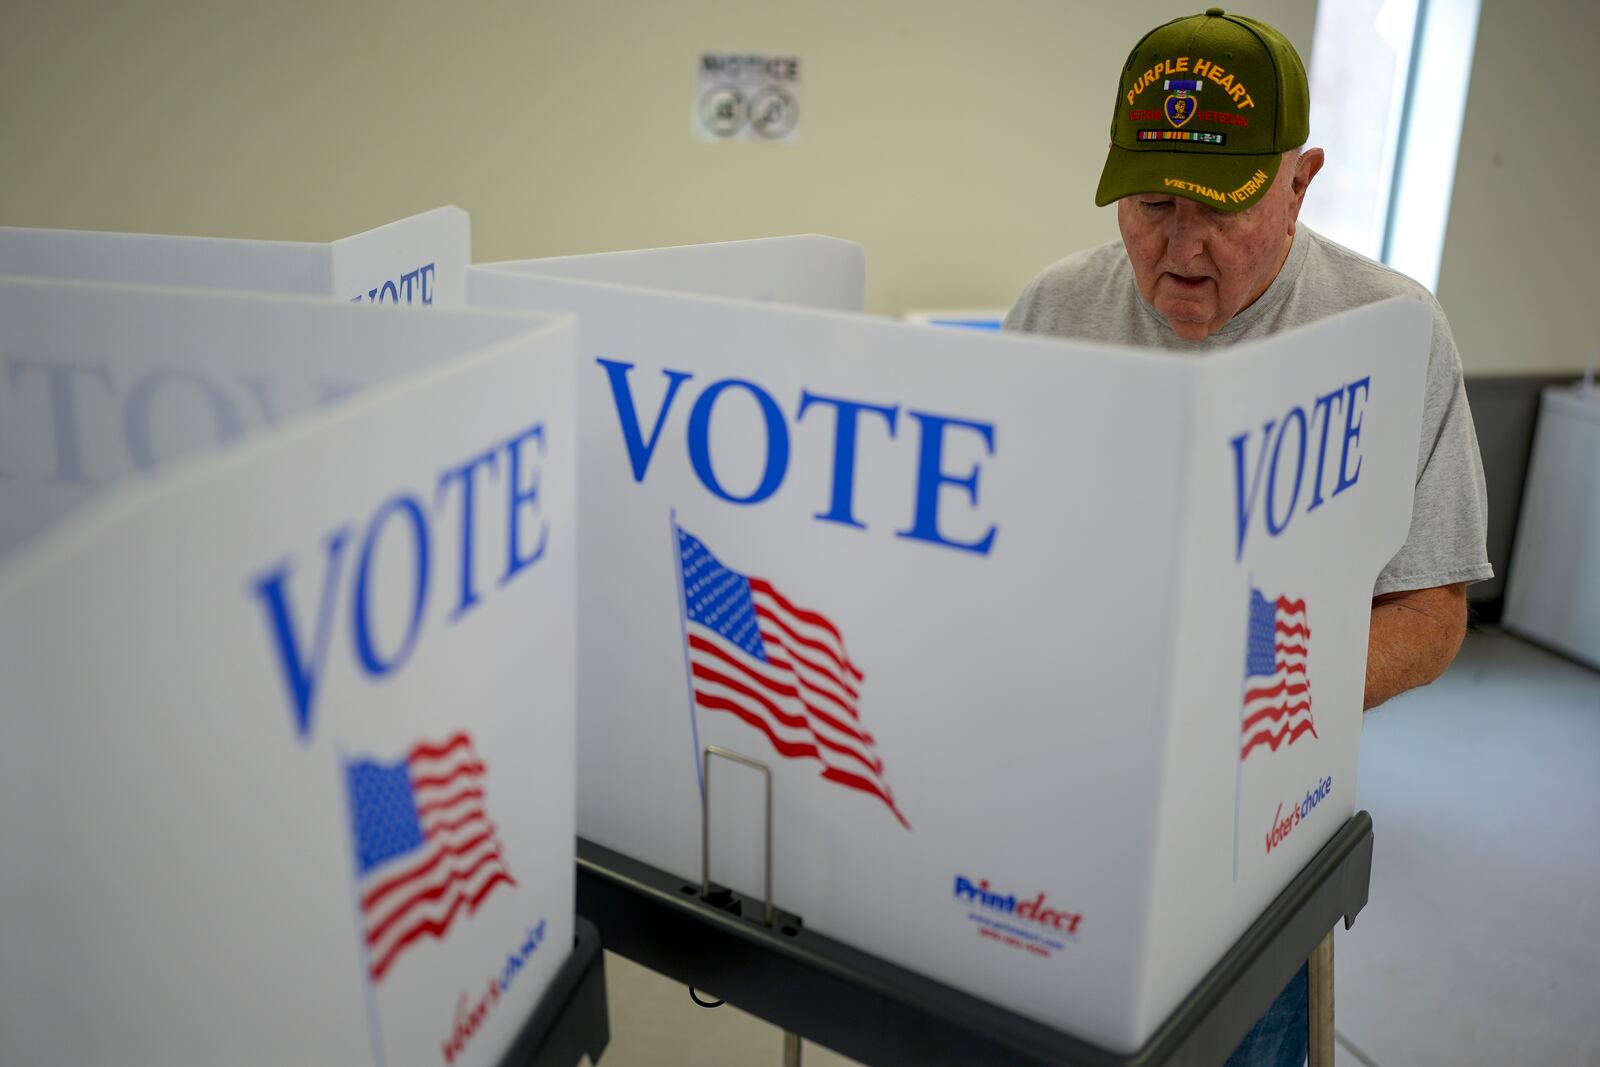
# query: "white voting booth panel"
{"type": "Point", "coordinates": [1020, 625]}
{"type": "Point", "coordinates": [418, 260]}
{"type": "Point", "coordinates": [287, 739]}
{"type": "Point", "coordinates": [808, 270]}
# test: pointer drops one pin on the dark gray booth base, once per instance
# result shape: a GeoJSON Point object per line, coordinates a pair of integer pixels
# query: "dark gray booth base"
{"type": "Point", "coordinates": [571, 1020]}
{"type": "Point", "coordinates": [879, 1013]}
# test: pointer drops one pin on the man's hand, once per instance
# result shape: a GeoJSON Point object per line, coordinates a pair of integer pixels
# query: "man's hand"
{"type": "Point", "coordinates": [1414, 636]}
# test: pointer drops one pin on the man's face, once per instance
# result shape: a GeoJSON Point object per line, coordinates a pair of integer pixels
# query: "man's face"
{"type": "Point", "coordinates": [1199, 267]}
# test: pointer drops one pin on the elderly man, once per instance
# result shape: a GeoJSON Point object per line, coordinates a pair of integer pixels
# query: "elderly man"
{"type": "Point", "coordinates": [1208, 170]}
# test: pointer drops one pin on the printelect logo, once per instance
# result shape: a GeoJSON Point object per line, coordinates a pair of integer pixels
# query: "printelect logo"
{"type": "Point", "coordinates": [980, 895]}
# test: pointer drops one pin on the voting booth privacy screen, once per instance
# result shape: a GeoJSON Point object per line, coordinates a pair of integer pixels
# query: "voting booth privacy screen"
{"type": "Point", "coordinates": [808, 270]}
{"type": "Point", "coordinates": [1055, 650]}
{"type": "Point", "coordinates": [418, 260]}
{"type": "Point", "coordinates": [286, 591]}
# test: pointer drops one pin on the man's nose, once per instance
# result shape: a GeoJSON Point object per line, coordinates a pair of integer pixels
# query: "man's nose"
{"type": "Point", "coordinates": [1186, 237]}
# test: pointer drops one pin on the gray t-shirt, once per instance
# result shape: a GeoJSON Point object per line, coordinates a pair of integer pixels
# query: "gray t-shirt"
{"type": "Point", "coordinates": [1092, 296]}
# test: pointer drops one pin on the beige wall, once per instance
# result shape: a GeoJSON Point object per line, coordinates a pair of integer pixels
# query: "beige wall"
{"type": "Point", "coordinates": [1524, 235]}
{"type": "Point", "coordinates": [960, 142]}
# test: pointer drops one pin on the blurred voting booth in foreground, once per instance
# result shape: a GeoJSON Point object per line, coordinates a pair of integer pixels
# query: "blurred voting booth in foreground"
{"type": "Point", "coordinates": [991, 319]}
{"type": "Point", "coordinates": [418, 260]}
{"type": "Point", "coordinates": [1055, 650]}
{"type": "Point", "coordinates": [286, 590]}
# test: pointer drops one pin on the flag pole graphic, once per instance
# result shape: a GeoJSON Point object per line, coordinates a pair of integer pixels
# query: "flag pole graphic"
{"type": "Point", "coordinates": [374, 1025]}
{"type": "Point", "coordinates": [683, 629]}
{"type": "Point", "coordinates": [1238, 760]}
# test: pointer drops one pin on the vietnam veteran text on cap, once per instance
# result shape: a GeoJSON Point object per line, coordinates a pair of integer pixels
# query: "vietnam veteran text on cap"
{"type": "Point", "coordinates": [1206, 107]}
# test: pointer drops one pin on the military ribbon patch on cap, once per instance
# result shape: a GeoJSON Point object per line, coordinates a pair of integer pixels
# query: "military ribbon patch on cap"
{"type": "Point", "coordinates": [1182, 85]}
{"type": "Point", "coordinates": [1183, 135]}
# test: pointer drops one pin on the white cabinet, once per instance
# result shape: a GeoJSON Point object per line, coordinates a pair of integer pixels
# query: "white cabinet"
{"type": "Point", "coordinates": [1553, 590]}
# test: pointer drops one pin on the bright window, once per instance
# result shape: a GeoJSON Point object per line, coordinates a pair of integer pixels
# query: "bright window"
{"type": "Point", "coordinates": [1388, 92]}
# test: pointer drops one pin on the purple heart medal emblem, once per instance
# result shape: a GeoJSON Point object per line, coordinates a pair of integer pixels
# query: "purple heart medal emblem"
{"type": "Point", "coordinates": [1180, 106]}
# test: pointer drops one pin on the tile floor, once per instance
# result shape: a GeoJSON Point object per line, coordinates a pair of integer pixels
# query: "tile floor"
{"type": "Point", "coordinates": [1481, 944]}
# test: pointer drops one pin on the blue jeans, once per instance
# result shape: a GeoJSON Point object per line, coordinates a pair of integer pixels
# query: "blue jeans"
{"type": "Point", "coordinates": [1281, 1037]}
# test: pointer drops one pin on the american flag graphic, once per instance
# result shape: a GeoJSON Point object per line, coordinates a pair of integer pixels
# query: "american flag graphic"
{"type": "Point", "coordinates": [780, 668]}
{"type": "Point", "coordinates": [1277, 692]}
{"type": "Point", "coordinates": [425, 848]}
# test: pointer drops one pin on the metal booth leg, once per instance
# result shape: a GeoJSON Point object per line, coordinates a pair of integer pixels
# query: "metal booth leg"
{"type": "Point", "coordinates": [791, 1041]}
{"type": "Point", "coordinates": [1319, 996]}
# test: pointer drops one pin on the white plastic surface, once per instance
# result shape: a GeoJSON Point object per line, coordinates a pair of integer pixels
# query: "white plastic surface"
{"type": "Point", "coordinates": [418, 260]}
{"type": "Point", "coordinates": [1042, 564]}
{"type": "Point", "coordinates": [804, 271]}
{"type": "Point", "coordinates": [239, 567]}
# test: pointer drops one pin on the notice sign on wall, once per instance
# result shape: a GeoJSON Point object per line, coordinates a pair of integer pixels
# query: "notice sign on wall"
{"type": "Point", "coordinates": [746, 97]}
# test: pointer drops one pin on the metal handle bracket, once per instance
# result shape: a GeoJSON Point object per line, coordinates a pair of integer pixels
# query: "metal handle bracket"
{"type": "Point", "coordinates": [705, 821]}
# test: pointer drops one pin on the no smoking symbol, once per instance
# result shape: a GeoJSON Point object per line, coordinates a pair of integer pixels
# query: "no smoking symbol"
{"type": "Point", "coordinates": [772, 113]}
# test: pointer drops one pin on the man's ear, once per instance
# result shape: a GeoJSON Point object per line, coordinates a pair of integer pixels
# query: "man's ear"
{"type": "Point", "coordinates": [1305, 168]}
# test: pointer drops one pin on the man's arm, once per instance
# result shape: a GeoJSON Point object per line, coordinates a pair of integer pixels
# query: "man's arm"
{"type": "Point", "coordinates": [1414, 636]}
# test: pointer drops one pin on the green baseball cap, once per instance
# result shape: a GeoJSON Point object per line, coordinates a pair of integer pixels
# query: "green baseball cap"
{"type": "Point", "coordinates": [1206, 107]}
